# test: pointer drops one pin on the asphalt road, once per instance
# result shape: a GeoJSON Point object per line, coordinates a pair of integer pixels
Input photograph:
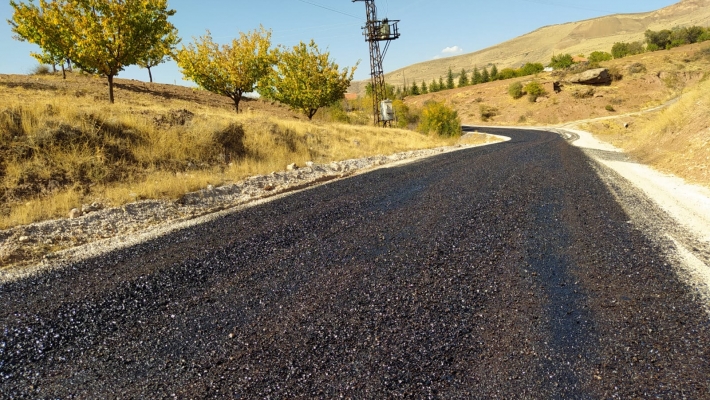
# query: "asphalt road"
{"type": "Point", "coordinates": [506, 271]}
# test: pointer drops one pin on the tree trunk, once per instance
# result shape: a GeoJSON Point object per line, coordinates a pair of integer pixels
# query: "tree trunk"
{"type": "Point", "coordinates": [237, 98]}
{"type": "Point", "coordinates": [150, 75]}
{"type": "Point", "coordinates": [64, 72]}
{"type": "Point", "coordinates": [54, 68]}
{"type": "Point", "coordinates": [110, 89]}
{"type": "Point", "coordinates": [69, 68]}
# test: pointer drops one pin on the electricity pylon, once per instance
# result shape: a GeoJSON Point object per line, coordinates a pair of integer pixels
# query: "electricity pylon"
{"type": "Point", "coordinates": [375, 32]}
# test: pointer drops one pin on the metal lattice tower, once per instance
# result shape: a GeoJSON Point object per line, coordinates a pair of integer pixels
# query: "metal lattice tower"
{"type": "Point", "coordinates": [377, 31]}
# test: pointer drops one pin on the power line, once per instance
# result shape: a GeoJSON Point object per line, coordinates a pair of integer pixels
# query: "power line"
{"type": "Point", "coordinates": [330, 9]}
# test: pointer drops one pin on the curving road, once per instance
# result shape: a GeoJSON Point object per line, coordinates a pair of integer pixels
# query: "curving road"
{"type": "Point", "coordinates": [505, 271]}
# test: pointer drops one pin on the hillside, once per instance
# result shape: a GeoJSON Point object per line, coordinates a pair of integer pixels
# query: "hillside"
{"type": "Point", "coordinates": [581, 37]}
{"type": "Point", "coordinates": [673, 140]}
{"type": "Point", "coordinates": [63, 146]}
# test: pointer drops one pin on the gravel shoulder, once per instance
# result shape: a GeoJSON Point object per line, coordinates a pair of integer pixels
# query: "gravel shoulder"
{"type": "Point", "coordinates": [674, 212]}
{"type": "Point", "coordinates": [29, 249]}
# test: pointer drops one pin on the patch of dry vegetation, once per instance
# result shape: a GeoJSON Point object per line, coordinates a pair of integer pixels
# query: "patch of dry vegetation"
{"type": "Point", "coordinates": [675, 140]}
{"type": "Point", "coordinates": [60, 149]}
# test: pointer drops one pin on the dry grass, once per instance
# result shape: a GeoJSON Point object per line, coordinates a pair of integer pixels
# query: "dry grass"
{"type": "Point", "coordinates": [675, 140]}
{"type": "Point", "coordinates": [64, 148]}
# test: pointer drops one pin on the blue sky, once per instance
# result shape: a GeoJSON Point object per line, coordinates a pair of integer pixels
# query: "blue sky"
{"type": "Point", "coordinates": [429, 28]}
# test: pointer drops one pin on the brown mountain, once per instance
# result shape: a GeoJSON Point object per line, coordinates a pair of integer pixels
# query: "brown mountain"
{"type": "Point", "coordinates": [583, 37]}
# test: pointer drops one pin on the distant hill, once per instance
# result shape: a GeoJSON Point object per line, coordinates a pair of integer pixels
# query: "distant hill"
{"type": "Point", "coordinates": [583, 37]}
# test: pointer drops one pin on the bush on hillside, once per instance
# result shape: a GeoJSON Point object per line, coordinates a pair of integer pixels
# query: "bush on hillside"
{"type": "Point", "coordinates": [515, 90]}
{"type": "Point", "coordinates": [441, 119]}
{"type": "Point", "coordinates": [534, 90]}
{"type": "Point", "coordinates": [487, 112]}
{"type": "Point", "coordinates": [636, 68]}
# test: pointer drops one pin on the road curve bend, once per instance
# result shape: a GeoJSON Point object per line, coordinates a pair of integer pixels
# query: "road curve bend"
{"type": "Point", "coordinates": [505, 271]}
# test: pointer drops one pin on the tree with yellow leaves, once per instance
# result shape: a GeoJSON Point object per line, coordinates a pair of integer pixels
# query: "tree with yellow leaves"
{"type": "Point", "coordinates": [306, 79]}
{"type": "Point", "coordinates": [229, 70]}
{"type": "Point", "coordinates": [99, 36]}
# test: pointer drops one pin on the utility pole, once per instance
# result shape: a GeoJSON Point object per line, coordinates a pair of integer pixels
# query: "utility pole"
{"type": "Point", "coordinates": [377, 31]}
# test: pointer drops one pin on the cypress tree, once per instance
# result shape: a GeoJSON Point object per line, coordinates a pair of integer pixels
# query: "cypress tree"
{"type": "Point", "coordinates": [494, 73]}
{"type": "Point", "coordinates": [484, 76]}
{"type": "Point", "coordinates": [450, 80]}
{"type": "Point", "coordinates": [477, 78]}
{"type": "Point", "coordinates": [463, 78]}
{"type": "Point", "coordinates": [425, 90]}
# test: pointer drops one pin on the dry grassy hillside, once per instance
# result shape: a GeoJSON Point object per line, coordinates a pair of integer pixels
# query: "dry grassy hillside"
{"type": "Point", "coordinates": [582, 37]}
{"type": "Point", "coordinates": [674, 140]}
{"type": "Point", "coordinates": [62, 145]}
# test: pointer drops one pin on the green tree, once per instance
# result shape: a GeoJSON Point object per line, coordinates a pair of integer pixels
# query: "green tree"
{"type": "Point", "coordinates": [561, 61]}
{"type": "Point", "coordinates": [434, 86]}
{"type": "Point", "coordinates": [450, 80]}
{"type": "Point", "coordinates": [531, 69]}
{"type": "Point", "coordinates": [657, 40]}
{"type": "Point", "coordinates": [441, 84]}
{"type": "Point", "coordinates": [425, 89]}
{"type": "Point", "coordinates": [485, 76]}
{"type": "Point", "coordinates": [599, 56]}
{"type": "Point", "coordinates": [306, 79]}
{"type": "Point", "coordinates": [161, 52]}
{"type": "Point", "coordinates": [102, 36]}
{"type": "Point", "coordinates": [476, 76]}
{"type": "Point", "coordinates": [463, 78]}
{"type": "Point", "coordinates": [494, 73]}
{"type": "Point", "coordinates": [414, 89]}
{"type": "Point", "coordinates": [507, 73]}
{"type": "Point", "coordinates": [229, 70]}
{"type": "Point", "coordinates": [622, 49]}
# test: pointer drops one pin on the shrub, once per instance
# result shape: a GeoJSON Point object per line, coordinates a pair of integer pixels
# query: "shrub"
{"type": "Point", "coordinates": [609, 108]}
{"type": "Point", "coordinates": [515, 90]}
{"type": "Point", "coordinates": [531, 69]}
{"type": "Point", "coordinates": [583, 94]}
{"type": "Point", "coordinates": [561, 61]}
{"type": "Point", "coordinates": [534, 90]}
{"type": "Point", "coordinates": [636, 68]}
{"type": "Point", "coordinates": [507, 73]}
{"type": "Point", "coordinates": [230, 142]}
{"type": "Point", "coordinates": [406, 117]}
{"type": "Point", "coordinates": [487, 112]}
{"type": "Point", "coordinates": [40, 69]}
{"type": "Point", "coordinates": [440, 118]}
{"type": "Point", "coordinates": [599, 56]}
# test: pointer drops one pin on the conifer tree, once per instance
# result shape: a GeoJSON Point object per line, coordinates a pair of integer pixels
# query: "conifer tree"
{"type": "Point", "coordinates": [434, 86]}
{"type": "Point", "coordinates": [477, 78]}
{"type": "Point", "coordinates": [450, 80]}
{"type": "Point", "coordinates": [463, 78]}
{"type": "Point", "coordinates": [485, 77]}
{"type": "Point", "coordinates": [415, 89]}
{"type": "Point", "coordinates": [425, 90]}
{"type": "Point", "coordinates": [441, 84]}
{"type": "Point", "coordinates": [494, 73]}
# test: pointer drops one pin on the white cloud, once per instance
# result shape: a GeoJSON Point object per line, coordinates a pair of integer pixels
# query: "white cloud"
{"type": "Point", "coordinates": [452, 50]}
{"type": "Point", "coordinates": [448, 52]}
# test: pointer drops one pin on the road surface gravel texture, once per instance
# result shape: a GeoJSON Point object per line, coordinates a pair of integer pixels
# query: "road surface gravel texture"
{"type": "Point", "coordinates": [507, 271]}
